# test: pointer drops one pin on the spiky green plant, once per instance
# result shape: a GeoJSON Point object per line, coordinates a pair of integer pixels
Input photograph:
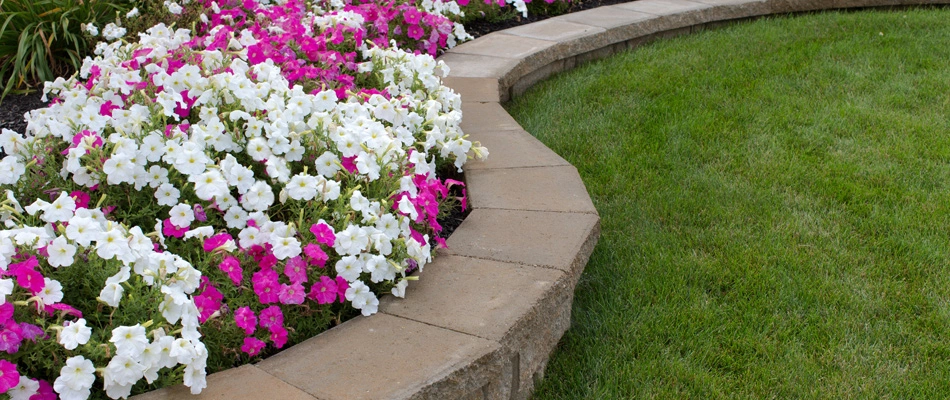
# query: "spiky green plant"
{"type": "Point", "coordinates": [43, 39]}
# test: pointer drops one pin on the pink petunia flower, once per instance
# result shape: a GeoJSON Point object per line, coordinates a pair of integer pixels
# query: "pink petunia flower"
{"type": "Point", "coordinates": [292, 294]}
{"type": "Point", "coordinates": [232, 267]}
{"type": "Point", "coordinates": [252, 346]}
{"type": "Point", "coordinates": [45, 392]}
{"type": "Point", "coordinates": [216, 241]}
{"type": "Point", "coordinates": [81, 198]}
{"type": "Point", "coordinates": [6, 314]}
{"type": "Point", "coordinates": [315, 255]}
{"type": "Point", "coordinates": [200, 214]}
{"type": "Point", "coordinates": [169, 229]}
{"type": "Point", "coordinates": [296, 269]}
{"type": "Point", "coordinates": [10, 339]}
{"type": "Point", "coordinates": [323, 292]}
{"type": "Point", "coordinates": [271, 317]}
{"type": "Point", "coordinates": [245, 319]}
{"type": "Point", "coordinates": [207, 306]}
{"type": "Point", "coordinates": [278, 335]}
{"type": "Point", "coordinates": [9, 377]}
{"type": "Point", "coordinates": [324, 233]}
{"type": "Point", "coordinates": [341, 286]}
{"type": "Point", "coordinates": [266, 286]}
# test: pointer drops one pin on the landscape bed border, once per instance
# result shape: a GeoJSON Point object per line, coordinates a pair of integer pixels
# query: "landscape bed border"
{"type": "Point", "coordinates": [488, 312]}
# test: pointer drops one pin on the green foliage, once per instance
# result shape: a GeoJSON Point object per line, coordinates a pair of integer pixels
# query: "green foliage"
{"type": "Point", "coordinates": [774, 202]}
{"type": "Point", "coordinates": [43, 39]}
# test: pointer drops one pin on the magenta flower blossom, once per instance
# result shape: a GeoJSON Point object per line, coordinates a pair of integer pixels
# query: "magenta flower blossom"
{"type": "Point", "coordinates": [245, 319]}
{"type": "Point", "coordinates": [65, 308]}
{"type": "Point", "coordinates": [6, 314]}
{"type": "Point", "coordinates": [272, 317]}
{"type": "Point", "coordinates": [45, 391]}
{"type": "Point", "coordinates": [31, 332]}
{"type": "Point", "coordinates": [9, 377]}
{"type": "Point", "coordinates": [30, 279]}
{"type": "Point", "coordinates": [169, 229]}
{"type": "Point", "coordinates": [341, 286]}
{"type": "Point", "coordinates": [207, 306]}
{"type": "Point", "coordinates": [296, 270]}
{"type": "Point", "coordinates": [292, 294]}
{"type": "Point", "coordinates": [10, 339]}
{"type": "Point", "coordinates": [200, 214]}
{"type": "Point", "coordinates": [323, 292]}
{"type": "Point", "coordinates": [252, 346]}
{"type": "Point", "coordinates": [81, 198]}
{"type": "Point", "coordinates": [268, 261]}
{"type": "Point", "coordinates": [266, 286]}
{"type": "Point", "coordinates": [349, 163]}
{"type": "Point", "coordinates": [232, 267]}
{"type": "Point", "coordinates": [315, 255]}
{"type": "Point", "coordinates": [278, 335]}
{"type": "Point", "coordinates": [324, 233]}
{"type": "Point", "coordinates": [216, 241]}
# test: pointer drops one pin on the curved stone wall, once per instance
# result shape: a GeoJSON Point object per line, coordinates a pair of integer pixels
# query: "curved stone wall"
{"type": "Point", "coordinates": [488, 312]}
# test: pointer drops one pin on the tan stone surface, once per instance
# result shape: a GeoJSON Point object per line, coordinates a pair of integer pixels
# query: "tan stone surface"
{"type": "Point", "coordinates": [606, 17]}
{"type": "Point", "coordinates": [536, 188]}
{"type": "Point", "coordinates": [479, 297]}
{"type": "Point", "coordinates": [555, 30]}
{"type": "Point", "coordinates": [513, 149]}
{"type": "Point", "coordinates": [663, 7]}
{"type": "Point", "coordinates": [537, 238]}
{"type": "Point", "coordinates": [477, 66]}
{"type": "Point", "coordinates": [500, 44]}
{"type": "Point", "coordinates": [387, 357]}
{"type": "Point", "coordinates": [481, 117]}
{"type": "Point", "coordinates": [526, 309]}
{"type": "Point", "coordinates": [476, 89]}
{"type": "Point", "coordinates": [244, 382]}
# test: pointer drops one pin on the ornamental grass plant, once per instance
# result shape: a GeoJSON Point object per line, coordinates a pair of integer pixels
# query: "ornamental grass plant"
{"type": "Point", "coordinates": [774, 206]}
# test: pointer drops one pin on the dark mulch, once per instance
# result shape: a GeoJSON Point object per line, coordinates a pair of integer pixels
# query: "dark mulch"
{"type": "Point", "coordinates": [483, 27]}
{"type": "Point", "coordinates": [14, 106]}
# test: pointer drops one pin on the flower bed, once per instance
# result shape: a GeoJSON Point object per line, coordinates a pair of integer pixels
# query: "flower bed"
{"type": "Point", "coordinates": [195, 200]}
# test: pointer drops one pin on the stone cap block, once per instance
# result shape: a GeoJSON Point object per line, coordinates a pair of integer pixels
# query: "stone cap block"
{"type": "Point", "coordinates": [477, 66]}
{"type": "Point", "coordinates": [513, 149]}
{"type": "Point", "coordinates": [555, 30]}
{"type": "Point", "coordinates": [476, 89]}
{"type": "Point", "coordinates": [244, 382]}
{"type": "Point", "coordinates": [482, 117]}
{"type": "Point", "coordinates": [537, 238]}
{"type": "Point", "coordinates": [387, 357]}
{"type": "Point", "coordinates": [501, 44]}
{"type": "Point", "coordinates": [557, 188]}
{"type": "Point", "coordinates": [479, 297]}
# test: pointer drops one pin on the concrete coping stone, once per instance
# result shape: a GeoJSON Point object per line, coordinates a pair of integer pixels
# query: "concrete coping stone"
{"type": "Point", "coordinates": [482, 322]}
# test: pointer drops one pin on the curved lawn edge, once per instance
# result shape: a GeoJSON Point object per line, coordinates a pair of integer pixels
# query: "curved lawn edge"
{"type": "Point", "coordinates": [489, 311]}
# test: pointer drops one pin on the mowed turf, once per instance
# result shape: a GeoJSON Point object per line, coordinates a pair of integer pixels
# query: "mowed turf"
{"type": "Point", "coordinates": [775, 204]}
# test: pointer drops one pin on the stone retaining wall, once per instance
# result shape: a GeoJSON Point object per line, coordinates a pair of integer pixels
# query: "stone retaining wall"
{"type": "Point", "coordinates": [484, 318]}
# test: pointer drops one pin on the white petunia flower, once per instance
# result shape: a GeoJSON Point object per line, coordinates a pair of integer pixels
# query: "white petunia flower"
{"type": "Point", "coordinates": [182, 215]}
{"type": "Point", "coordinates": [129, 340]}
{"type": "Point", "coordinates": [6, 289]}
{"type": "Point", "coordinates": [61, 253]}
{"type": "Point", "coordinates": [75, 378]}
{"type": "Point", "coordinates": [112, 293]}
{"type": "Point", "coordinates": [167, 194]}
{"type": "Point", "coordinates": [61, 209]}
{"type": "Point", "coordinates": [52, 292]}
{"type": "Point", "coordinates": [75, 334]}
{"type": "Point", "coordinates": [25, 389]}
{"type": "Point", "coordinates": [351, 241]}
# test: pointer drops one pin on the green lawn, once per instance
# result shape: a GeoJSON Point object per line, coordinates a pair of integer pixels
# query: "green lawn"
{"type": "Point", "coordinates": [775, 203]}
